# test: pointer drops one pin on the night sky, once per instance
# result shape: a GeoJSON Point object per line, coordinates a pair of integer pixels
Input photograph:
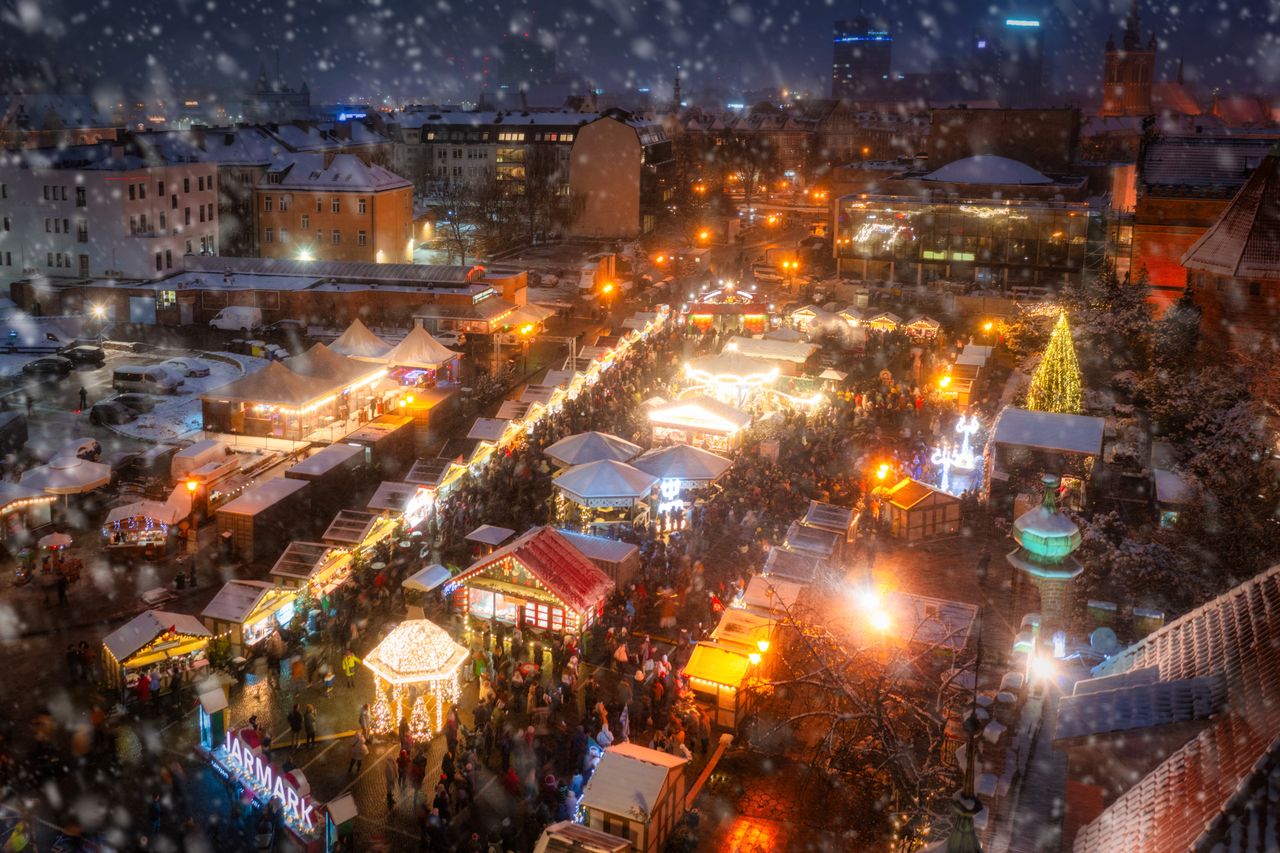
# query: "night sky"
{"type": "Point", "coordinates": [362, 48]}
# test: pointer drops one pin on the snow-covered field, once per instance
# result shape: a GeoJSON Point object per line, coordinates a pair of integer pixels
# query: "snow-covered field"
{"type": "Point", "coordinates": [178, 414]}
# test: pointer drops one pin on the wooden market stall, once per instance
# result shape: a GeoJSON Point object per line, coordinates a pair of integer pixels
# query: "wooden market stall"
{"type": "Point", "coordinates": [539, 581]}
{"type": "Point", "coordinates": [885, 321]}
{"type": "Point", "coordinates": [173, 643]}
{"type": "Point", "coordinates": [638, 793]}
{"type": "Point", "coordinates": [794, 566]}
{"type": "Point", "coordinates": [317, 565]}
{"type": "Point", "coordinates": [487, 538]}
{"type": "Point", "coordinates": [617, 559]}
{"type": "Point", "coordinates": [917, 511]}
{"type": "Point", "coordinates": [840, 520]}
{"type": "Point", "coordinates": [22, 511]}
{"type": "Point", "coordinates": [814, 541]}
{"type": "Point", "coordinates": [717, 676]}
{"type": "Point", "coordinates": [699, 421]}
{"type": "Point", "coordinates": [248, 611]}
{"type": "Point", "coordinates": [355, 529]}
{"type": "Point", "coordinates": [261, 518]}
{"type": "Point", "coordinates": [422, 590]}
{"type": "Point", "coordinates": [335, 470]}
{"type": "Point", "coordinates": [408, 502]}
{"type": "Point", "coordinates": [387, 443]}
{"type": "Point", "coordinates": [923, 328]}
{"type": "Point", "coordinates": [769, 595]}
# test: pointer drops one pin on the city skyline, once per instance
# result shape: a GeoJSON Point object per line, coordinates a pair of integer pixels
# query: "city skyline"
{"type": "Point", "coordinates": [400, 52]}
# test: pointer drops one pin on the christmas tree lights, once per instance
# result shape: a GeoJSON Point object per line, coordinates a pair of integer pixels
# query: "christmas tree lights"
{"type": "Point", "coordinates": [380, 722]}
{"type": "Point", "coordinates": [1055, 387]}
{"type": "Point", "coordinates": [420, 722]}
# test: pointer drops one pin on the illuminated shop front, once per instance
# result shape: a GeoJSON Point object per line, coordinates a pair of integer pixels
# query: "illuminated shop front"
{"type": "Point", "coordinates": [247, 612]}
{"type": "Point", "coordinates": [317, 566]}
{"type": "Point", "coordinates": [700, 421]}
{"type": "Point", "coordinates": [538, 581]}
{"type": "Point", "coordinates": [171, 643]}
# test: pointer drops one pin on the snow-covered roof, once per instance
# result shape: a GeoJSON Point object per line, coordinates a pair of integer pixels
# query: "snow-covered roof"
{"type": "Point", "coordinates": [987, 169]}
{"type": "Point", "coordinates": [358, 342]}
{"type": "Point", "coordinates": [606, 478]}
{"type": "Point", "coordinates": [1049, 431]}
{"type": "Point", "coordinates": [237, 600]}
{"type": "Point", "coordinates": [600, 548]}
{"type": "Point", "coordinates": [1245, 241]}
{"type": "Point", "coordinates": [625, 782]}
{"type": "Point", "coordinates": [592, 447]}
{"type": "Point", "coordinates": [323, 461]}
{"type": "Point", "coordinates": [683, 462]}
{"type": "Point", "coordinates": [145, 627]}
{"type": "Point", "coordinates": [263, 496]}
{"type": "Point", "coordinates": [427, 579]}
{"type": "Point", "coordinates": [792, 351]}
{"type": "Point", "coordinates": [1171, 488]}
{"type": "Point", "coordinates": [699, 413]}
{"type": "Point", "coordinates": [67, 475]}
{"type": "Point", "coordinates": [419, 350]}
{"type": "Point", "coordinates": [345, 173]}
{"type": "Point", "coordinates": [488, 429]}
{"type": "Point", "coordinates": [490, 534]}
{"type": "Point", "coordinates": [320, 362]}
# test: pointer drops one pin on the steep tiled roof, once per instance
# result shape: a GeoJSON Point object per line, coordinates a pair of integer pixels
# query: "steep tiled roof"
{"type": "Point", "coordinates": [1139, 707]}
{"type": "Point", "coordinates": [1198, 795]}
{"type": "Point", "coordinates": [1245, 241]}
{"type": "Point", "coordinates": [557, 565]}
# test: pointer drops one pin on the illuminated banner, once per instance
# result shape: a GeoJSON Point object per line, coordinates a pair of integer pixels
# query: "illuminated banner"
{"type": "Point", "coordinates": [290, 789]}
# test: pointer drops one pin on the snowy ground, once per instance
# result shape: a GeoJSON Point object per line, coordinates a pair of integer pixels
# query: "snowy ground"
{"type": "Point", "coordinates": [11, 363]}
{"type": "Point", "coordinates": [178, 414]}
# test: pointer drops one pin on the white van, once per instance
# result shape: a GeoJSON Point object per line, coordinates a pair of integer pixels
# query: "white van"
{"type": "Point", "coordinates": [237, 318]}
{"type": "Point", "coordinates": [151, 379]}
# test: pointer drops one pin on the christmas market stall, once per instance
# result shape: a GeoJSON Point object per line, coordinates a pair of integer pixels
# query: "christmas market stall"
{"type": "Point", "coordinates": [1023, 444]}
{"type": "Point", "coordinates": [884, 322]}
{"type": "Point", "coordinates": [172, 644]}
{"type": "Point", "coordinates": [415, 676]}
{"type": "Point", "coordinates": [387, 441]}
{"type": "Point", "coordinates": [602, 494]}
{"type": "Point", "coordinates": [247, 612]}
{"type": "Point", "coordinates": [539, 581]}
{"type": "Point", "coordinates": [335, 470]}
{"type": "Point", "coordinates": [409, 502]}
{"type": "Point", "coordinates": [840, 520]}
{"type": "Point", "coordinates": [718, 675]}
{"type": "Point", "coordinates": [358, 342]}
{"type": "Point", "coordinates": [792, 565]}
{"type": "Point", "coordinates": [732, 377]}
{"type": "Point", "coordinates": [769, 595]}
{"type": "Point", "coordinates": [240, 757]}
{"type": "Point", "coordinates": [923, 328]}
{"type": "Point", "coordinates": [617, 559]}
{"type": "Point", "coordinates": [638, 793]}
{"type": "Point", "coordinates": [22, 511]}
{"type": "Point", "coordinates": [700, 421]}
{"type": "Point", "coordinates": [792, 358]}
{"type": "Point", "coordinates": [422, 589]}
{"type": "Point", "coordinates": [258, 520]}
{"type": "Point", "coordinates": [358, 530]}
{"type": "Point", "coordinates": [142, 528]}
{"type": "Point", "coordinates": [318, 567]}
{"type": "Point", "coordinates": [487, 538]}
{"type": "Point", "coordinates": [916, 511]}
{"type": "Point", "coordinates": [421, 360]}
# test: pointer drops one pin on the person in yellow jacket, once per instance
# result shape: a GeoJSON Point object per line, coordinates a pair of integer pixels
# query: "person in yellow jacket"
{"type": "Point", "coordinates": [349, 661]}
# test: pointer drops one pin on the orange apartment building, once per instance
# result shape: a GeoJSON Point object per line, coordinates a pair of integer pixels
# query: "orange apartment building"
{"type": "Point", "coordinates": [325, 207]}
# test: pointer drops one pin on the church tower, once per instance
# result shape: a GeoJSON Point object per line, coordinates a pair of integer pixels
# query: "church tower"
{"type": "Point", "coordinates": [1127, 72]}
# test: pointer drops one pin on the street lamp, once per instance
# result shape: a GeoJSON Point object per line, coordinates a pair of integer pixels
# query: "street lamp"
{"type": "Point", "coordinates": [944, 382]}
{"type": "Point", "coordinates": [882, 471]}
{"type": "Point", "coordinates": [192, 540]}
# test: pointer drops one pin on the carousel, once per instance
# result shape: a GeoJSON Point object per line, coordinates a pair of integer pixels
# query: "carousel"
{"type": "Point", "coordinates": [602, 494]}
{"type": "Point", "coordinates": [415, 674]}
{"type": "Point", "coordinates": [731, 376]}
{"type": "Point", "coordinates": [591, 447]}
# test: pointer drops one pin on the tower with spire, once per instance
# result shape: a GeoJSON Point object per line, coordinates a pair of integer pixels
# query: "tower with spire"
{"type": "Point", "coordinates": [1127, 71]}
{"type": "Point", "coordinates": [675, 94]}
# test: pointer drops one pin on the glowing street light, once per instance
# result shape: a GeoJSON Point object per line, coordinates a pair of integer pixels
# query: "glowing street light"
{"type": "Point", "coordinates": [988, 326]}
{"type": "Point", "coordinates": [606, 288]}
{"type": "Point", "coordinates": [306, 255]}
{"type": "Point", "coordinates": [704, 235]}
{"type": "Point", "coordinates": [193, 543]}
{"type": "Point", "coordinates": [881, 621]}
{"type": "Point", "coordinates": [754, 657]}
{"type": "Point", "coordinates": [762, 645]}
{"type": "Point", "coordinates": [98, 311]}
{"type": "Point", "coordinates": [944, 381]}
{"type": "Point", "coordinates": [882, 471]}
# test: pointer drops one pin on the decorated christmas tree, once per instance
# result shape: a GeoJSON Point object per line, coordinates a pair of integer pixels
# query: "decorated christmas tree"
{"type": "Point", "coordinates": [420, 721]}
{"type": "Point", "coordinates": [1055, 387]}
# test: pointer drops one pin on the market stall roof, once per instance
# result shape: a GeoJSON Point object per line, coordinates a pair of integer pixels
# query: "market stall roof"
{"type": "Point", "coordinates": [705, 414]}
{"type": "Point", "coordinates": [12, 493]}
{"type": "Point", "coordinates": [428, 472]}
{"type": "Point", "coordinates": [600, 548]}
{"type": "Point", "coordinates": [561, 568]}
{"type": "Point", "coordinates": [488, 429]}
{"type": "Point", "coordinates": [304, 559]}
{"type": "Point", "coordinates": [770, 593]}
{"type": "Point", "coordinates": [325, 460]}
{"type": "Point", "coordinates": [1171, 488]}
{"type": "Point", "coordinates": [606, 478]}
{"type": "Point", "coordinates": [931, 621]}
{"type": "Point", "coordinates": [851, 315]}
{"type": "Point", "coordinates": [594, 353]}
{"type": "Point", "coordinates": [808, 311]}
{"type": "Point", "coordinates": [784, 333]}
{"type": "Point", "coordinates": [350, 527]}
{"type": "Point", "coordinates": [908, 492]}
{"type": "Point", "coordinates": [164, 513]}
{"type": "Point", "coordinates": [743, 628]}
{"type": "Point", "coordinates": [425, 580]}
{"type": "Point", "coordinates": [558, 378]}
{"type": "Point", "coordinates": [1049, 431]}
{"type": "Point", "coordinates": [538, 394]}
{"type": "Point", "coordinates": [967, 359]}
{"type": "Point", "coordinates": [569, 837]}
{"type": "Point", "coordinates": [924, 323]}
{"type": "Point", "coordinates": [592, 447]}
{"type": "Point", "coordinates": [237, 600]}
{"type": "Point", "coordinates": [135, 634]}
{"type": "Point", "coordinates": [833, 374]}
{"type": "Point", "coordinates": [718, 664]}
{"type": "Point", "coordinates": [793, 565]}
{"type": "Point", "coordinates": [513, 410]}
{"type": "Point", "coordinates": [837, 519]}
{"type": "Point", "coordinates": [264, 495]}
{"type": "Point", "coordinates": [542, 312]}
{"type": "Point", "coordinates": [490, 534]}
{"type": "Point", "coordinates": [416, 651]}
{"type": "Point", "coordinates": [626, 780]}
{"type": "Point", "coordinates": [733, 367]}
{"type": "Point", "coordinates": [419, 350]}
{"type": "Point", "coordinates": [358, 342]}
{"type": "Point", "coordinates": [320, 362]}
{"type": "Point", "coordinates": [67, 475]}
{"type": "Point", "coordinates": [683, 462]}
{"type": "Point", "coordinates": [392, 496]}
{"type": "Point", "coordinates": [977, 349]}
{"type": "Point", "coordinates": [274, 384]}
{"type": "Point", "coordinates": [884, 318]}
{"type": "Point", "coordinates": [796, 352]}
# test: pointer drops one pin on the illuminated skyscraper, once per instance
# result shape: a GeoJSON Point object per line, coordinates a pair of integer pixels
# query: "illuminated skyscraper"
{"type": "Point", "coordinates": [1022, 61]}
{"type": "Point", "coordinates": [860, 56]}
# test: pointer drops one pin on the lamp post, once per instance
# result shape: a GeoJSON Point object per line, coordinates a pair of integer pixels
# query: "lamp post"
{"type": "Point", "coordinates": [193, 544]}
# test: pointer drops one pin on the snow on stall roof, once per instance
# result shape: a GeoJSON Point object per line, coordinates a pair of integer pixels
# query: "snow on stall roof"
{"type": "Point", "coordinates": [1049, 431]}
{"type": "Point", "coordinates": [592, 447]}
{"type": "Point", "coordinates": [624, 781]}
{"type": "Point", "coordinates": [794, 351]}
{"type": "Point", "coordinates": [490, 534]}
{"type": "Point", "coordinates": [488, 429]}
{"type": "Point", "coordinates": [556, 563]}
{"type": "Point", "coordinates": [392, 496]}
{"type": "Point", "coordinates": [987, 169]}
{"type": "Point", "coordinates": [145, 627]}
{"type": "Point", "coordinates": [605, 478]}
{"type": "Point", "coordinates": [419, 350]}
{"type": "Point", "coordinates": [264, 496]}
{"type": "Point", "coordinates": [682, 462]}
{"type": "Point", "coordinates": [600, 548]}
{"type": "Point", "coordinates": [358, 342]}
{"type": "Point", "coordinates": [236, 600]}
{"type": "Point", "coordinates": [323, 461]}
{"type": "Point", "coordinates": [428, 578]}
{"type": "Point", "coordinates": [1171, 488]}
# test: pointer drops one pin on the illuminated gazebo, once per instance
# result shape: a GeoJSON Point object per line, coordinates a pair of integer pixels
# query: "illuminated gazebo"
{"type": "Point", "coordinates": [604, 492]}
{"type": "Point", "coordinates": [732, 376]}
{"type": "Point", "coordinates": [417, 657]}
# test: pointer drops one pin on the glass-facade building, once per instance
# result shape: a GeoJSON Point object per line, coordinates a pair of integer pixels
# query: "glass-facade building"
{"type": "Point", "coordinates": [992, 243]}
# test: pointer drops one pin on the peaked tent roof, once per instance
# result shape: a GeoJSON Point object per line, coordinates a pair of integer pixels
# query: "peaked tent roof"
{"type": "Point", "coordinates": [420, 350]}
{"type": "Point", "coordinates": [1245, 241]}
{"type": "Point", "coordinates": [320, 362]}
{"type": "Point", "coordinates": [358, 342]}
{"type": "Point", "coordinates": [606, 478]}
{"type": "Point", "coordinates": [682, 462]}
{"type": "Point", "coordinates": [592, 447]}
{"type": "Point", "coordinates": [557, 565]}
{"type": "Point", "coordinates": [274, 383]}
{"type": "Point", "coordinates": [1202, 795]}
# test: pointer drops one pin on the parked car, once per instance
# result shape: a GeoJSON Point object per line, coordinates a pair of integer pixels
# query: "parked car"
{"type": "Point", "coordinates": [152, 379]}
{"type": "Point", "coordinates": [84, 448]}
{"type": "Point", "coordinates": [186, 366]}
{"type": "Point", "coordinates": [52, 365]}
{"type": "Point", "coordinates": [450, 339]}
{"type": "Point", "coordinates": [85, 354]}
{"type": "Point", "coordinates": [137, 402]}
{"type": "Point", "coordinates": [111, 412]}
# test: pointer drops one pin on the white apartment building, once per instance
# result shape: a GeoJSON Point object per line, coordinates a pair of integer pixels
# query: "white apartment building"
{"type": "Point", "coordinates": [95, 211]}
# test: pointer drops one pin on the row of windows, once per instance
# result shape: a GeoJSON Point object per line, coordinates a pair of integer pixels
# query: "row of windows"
{"type": "Point", "coordinates": [138, 192]}
{"type": "Point", "coordinates": [335, 236]}
{"type": "Point", "coordinates": [502, 136]}
{"type": "Point", "coordinates": [550, 618]}
{"type": "Point", "coordinates": [164, 261]}
{"type": "Point", "coordinates": [59, 259]}
{"type": "Point", "coordinates": [269, 203]}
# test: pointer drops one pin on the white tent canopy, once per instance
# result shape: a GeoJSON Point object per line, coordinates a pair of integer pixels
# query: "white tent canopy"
{"type": "Point", "coordinates": [592, 447]}
{"type": "Point", "coordinates": [732, 367]}
{"type": "Point", "coordinates": [797, 352]}
{"type": "Point", "coordinates": [700, 413]}
{"type": "Point", "coordinates": [682, 462]}
{"type": "Point", "coordinates": [358, 342]}
{"type": "Point", "coordinates": [163, 513]}
{"type": "Point", "coordinates": [68, 475]}
{"type": "Point", "coordinates": [785, 334]}
{"type": "Point", "coordinates": [419, 350]}
{"type": "Point", "coordinates": [604, 479]}
{"type": "Point", "coordinates": [427, 579]}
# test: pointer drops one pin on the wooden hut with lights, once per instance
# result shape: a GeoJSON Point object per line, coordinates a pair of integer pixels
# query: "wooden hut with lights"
{"type": "Point", "coordinates": [539, 581]}
{"type": "Point", "coordinates": [174, 642]}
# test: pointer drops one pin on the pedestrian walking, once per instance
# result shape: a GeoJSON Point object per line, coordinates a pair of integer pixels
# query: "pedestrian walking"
{"type": "Point", "coordinates": [295, 725]}
{"type": "Point", "coordinates": [984, 561]}
{"type": "Point", "coordinates": [364, 721]}
{"type": "Point", "coordinates": [391, 775]}
{"type": "Point", "coordinates": [84, 398]}
{"type": "Point", "coordinates": [309, 724]}
{"type": "Point", "coordinates": [359, 749]}
{"type": "Point", "coordinates": [349, 661]}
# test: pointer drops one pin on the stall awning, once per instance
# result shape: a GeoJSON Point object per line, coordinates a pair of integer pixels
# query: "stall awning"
{"type": "Point", "coordinates": [717, 664]}
{"type": "Point", "coordinates": [135, 634]}
{"type": "Point", "coordinates": [350, 527]}
{"type": "Point", "coordinates": [303, 560]}
{"type": "Point", "coordinates": [427, 579]}
{"type": "Point", "coordinates": [605, 479]}
{"type": "Point", "coordinates": [428, 472]}
{"type": "Point", "coordinates": [490, 534]}
{"type": "Point", "coordinates": [392, 496]}
{"type": "Point", "coordinates": [488, 429]}
{"type": "Point", "coordinates": [702, 414]}
{"type": "Point", "coordinates": [240, 599]}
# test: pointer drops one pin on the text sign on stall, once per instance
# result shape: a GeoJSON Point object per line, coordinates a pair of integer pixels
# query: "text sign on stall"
{"type": "Point", "coordinates": [267, 781]}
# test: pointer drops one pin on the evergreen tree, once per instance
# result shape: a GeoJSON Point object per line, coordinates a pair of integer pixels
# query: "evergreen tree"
{"type": "Point", "coordinates": [1055, 387]}
{"type": "Point", "coordinates": [1178, 334]}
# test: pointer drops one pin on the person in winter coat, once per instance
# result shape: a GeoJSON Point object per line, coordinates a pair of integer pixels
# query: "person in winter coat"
{"type": "Point", "coordinates": [309, 724]}
{"type": "Point", "coordinates": [359, 749]}
{"type": "Point", "coordinates": [391, 773]}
